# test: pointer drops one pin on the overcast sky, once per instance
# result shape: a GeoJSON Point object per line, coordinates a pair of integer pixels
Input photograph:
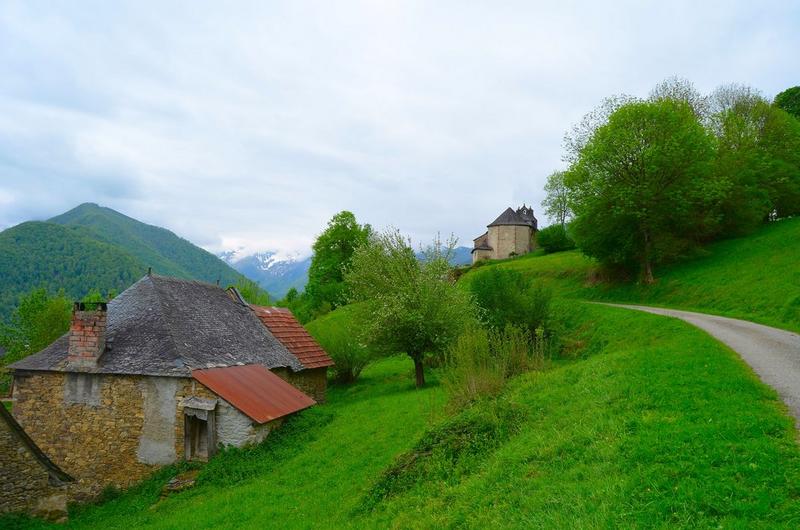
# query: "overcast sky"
{"type": "Point", "coordinates": [251, 124]}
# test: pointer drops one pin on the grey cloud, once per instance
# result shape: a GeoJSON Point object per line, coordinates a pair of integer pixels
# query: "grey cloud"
{"type": "Point", "coordinates": [250, 124]}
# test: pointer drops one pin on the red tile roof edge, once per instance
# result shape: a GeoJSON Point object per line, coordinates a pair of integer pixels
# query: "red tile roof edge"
{"type": "Point", "coordinates": [288, 330]}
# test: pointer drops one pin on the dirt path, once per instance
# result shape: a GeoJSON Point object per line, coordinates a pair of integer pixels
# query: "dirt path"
{"type": "Point", "coordinates": [774, 354]}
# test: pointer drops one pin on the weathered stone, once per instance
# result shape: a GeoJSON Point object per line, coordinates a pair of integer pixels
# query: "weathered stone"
{"type": "Point", "coordinates": [52, 508]}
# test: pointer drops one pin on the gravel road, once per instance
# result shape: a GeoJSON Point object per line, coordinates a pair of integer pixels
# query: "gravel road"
{"type": "Point", "coordinates": [774, 354]}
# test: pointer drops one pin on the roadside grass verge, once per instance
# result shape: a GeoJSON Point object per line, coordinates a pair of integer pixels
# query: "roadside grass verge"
{"type": "Point", "coordinates": [753, 278]}
{"type": "Point", "coordinates": [661, 427]}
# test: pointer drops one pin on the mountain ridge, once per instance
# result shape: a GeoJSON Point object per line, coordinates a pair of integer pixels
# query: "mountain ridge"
{"type": "Point", "coordinates": [94, 247]}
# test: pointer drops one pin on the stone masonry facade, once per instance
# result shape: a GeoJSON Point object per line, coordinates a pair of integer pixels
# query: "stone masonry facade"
{"type": "Point", "coordinates": [313, 381]}
{"type": "Point", "coordinates": [25, 482]}
{"type": "Point", "coordinates": [116, 429]}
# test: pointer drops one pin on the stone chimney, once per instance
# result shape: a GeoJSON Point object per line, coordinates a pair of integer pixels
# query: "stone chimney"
{"type": "Point", "coordinates": [87, 334]}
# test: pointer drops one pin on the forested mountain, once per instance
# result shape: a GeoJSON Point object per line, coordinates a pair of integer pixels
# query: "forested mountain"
{"type": "Point", "coordinates": [153, 246]}
{"type": "Point", "coordinates": [36, 254]}
{"type": "Point", "coordinates": [91, 247]}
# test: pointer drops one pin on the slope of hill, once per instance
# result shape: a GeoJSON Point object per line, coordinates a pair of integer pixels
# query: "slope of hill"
{"type": "Point", "coordinates": [652, 425]}
{"type": "Point", "coordinates": [35, 254]}
{"type": "Point", "coordinates": [754, 278]}
{"type": "Point", "coordinates": [153, 246]}
{"type": "Point", "coordinates": [95, 247]}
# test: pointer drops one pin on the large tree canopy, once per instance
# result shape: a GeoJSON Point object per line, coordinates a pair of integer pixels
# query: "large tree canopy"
{"type": "Point", "coordinates": [640, 188]}
{"type": "Point", "coordinates": [333, 251]}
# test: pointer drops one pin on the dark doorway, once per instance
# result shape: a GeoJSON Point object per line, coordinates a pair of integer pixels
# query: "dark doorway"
{"type": "Point", "coordinates": [199, 435]}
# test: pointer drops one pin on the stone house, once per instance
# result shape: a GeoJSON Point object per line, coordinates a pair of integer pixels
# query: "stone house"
{"type": "Point", "coordinates": [513, 233]}
{"type": "Point", "coordinates": [170, 369]}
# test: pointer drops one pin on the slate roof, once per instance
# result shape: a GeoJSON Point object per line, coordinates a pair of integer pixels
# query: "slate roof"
{"type": "Point", "coordinates": [168, 327]}
{"type": "Point", "coordinates": [282, 324]}
{"type": "Point", "coordinates": [512, 218]}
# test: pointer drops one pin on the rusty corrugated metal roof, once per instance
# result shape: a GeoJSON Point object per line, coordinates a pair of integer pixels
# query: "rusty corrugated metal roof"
{"type": "Point", "coordinates": [282, 324]}
{"type": "Point", "coordinates": [254, 390]}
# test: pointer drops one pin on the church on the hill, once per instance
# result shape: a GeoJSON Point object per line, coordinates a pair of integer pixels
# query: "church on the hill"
{"type": "Point", "coordinates": [511, 234]}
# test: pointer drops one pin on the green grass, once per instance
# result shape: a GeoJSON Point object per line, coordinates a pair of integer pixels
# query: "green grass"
{"type": "Point", "coordinates": [755, 278]}
{"type": "Point", "coordinates": [660, 427]}
{"type": "Point", "coordinates": [311, 472]}
{"type": "Point", "coordinates": [652, 424]}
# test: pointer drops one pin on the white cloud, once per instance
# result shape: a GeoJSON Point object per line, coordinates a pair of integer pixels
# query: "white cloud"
{"type": "Point", "coordinates": [251, 124]}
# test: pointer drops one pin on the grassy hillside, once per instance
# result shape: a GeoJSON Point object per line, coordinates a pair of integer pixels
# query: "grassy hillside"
{"type": "Point", "coordinates": [653, 424]}
{"type": "Point", "coordinates": [95, 247]}
{"type": "Point", "coordinates": [38, 254]}
{"type": "Point", "coordinates": [755, 278]}
{"type": "Point", "coordinates": [153, 246]}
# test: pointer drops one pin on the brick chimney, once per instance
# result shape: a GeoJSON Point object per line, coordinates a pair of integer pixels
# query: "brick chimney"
{"type": "Point", "coordinates": [87, 334]}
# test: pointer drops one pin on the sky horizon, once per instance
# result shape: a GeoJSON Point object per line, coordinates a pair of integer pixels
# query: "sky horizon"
{"type": "Point", "coordinates": [249, 125]}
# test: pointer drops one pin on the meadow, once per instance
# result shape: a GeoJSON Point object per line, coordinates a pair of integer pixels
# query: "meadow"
{"type": "Point", "coordinates": [645, 422]}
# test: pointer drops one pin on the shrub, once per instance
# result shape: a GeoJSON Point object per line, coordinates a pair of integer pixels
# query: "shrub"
{"type": "Point", "coordinates": [481, 361]}
{"type": "Point", "coordinates": [505, 297]}
{"type": "Point", "coordinates": [350, 356]}
{"type": "Point", "coordinates": [554, 238]}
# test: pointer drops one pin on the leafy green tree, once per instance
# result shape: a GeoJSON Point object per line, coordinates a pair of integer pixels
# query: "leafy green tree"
{"type": "Point", "coordinates": [554, 238]}
{"type": "Point", "coordinates": [38, 320]}
{"type": "Point", "coordinates": [789, 101]}
{"type": "Point", "coordinates": [758, 159]}
{"type": "Point", "coordinates": [640, 187]}
{"type": "Point", "coordinates": [333, 251]}
{"type": "Point", "coordinates": [556, 201]}
{"type": "Point", "coordinates": [291, 295]}
{"type": "Point", "coordinates": [410, 306]}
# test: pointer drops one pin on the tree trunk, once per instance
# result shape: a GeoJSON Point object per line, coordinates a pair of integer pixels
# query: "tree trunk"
{"type": "Point", "coordinates": [648, 273]}
{"type": "Point", "coordinates": [420, 373]}
{"type": "Point", "coordinates": [647, 265]}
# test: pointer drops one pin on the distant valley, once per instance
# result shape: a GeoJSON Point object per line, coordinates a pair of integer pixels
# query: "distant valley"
{"type": "Point", "coordinates": [274, 273]}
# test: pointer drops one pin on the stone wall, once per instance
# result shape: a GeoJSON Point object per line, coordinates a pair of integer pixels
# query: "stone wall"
{"type": "Point", "coordinates": [478, 255]}
{"type": "Point", "coordinates": [313, 381]}
{"type": "Point", "coordinates": [94, 433]}
{"type": "Point", "coordinates": [506, 240]}
{"type": "Point", "coordinates": [25, 482]}
{"type": "Point", "coordinates": [116, 429]}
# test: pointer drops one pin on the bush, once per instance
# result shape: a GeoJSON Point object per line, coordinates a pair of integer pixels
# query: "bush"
{"type": "Point", "coordinates": [481, 361]}
{"type": "Point", "coordinates": [554, 238]}
{"type": "Point", "coordinates": [350, 356]}
{"type": "Point", "coordinates": [505, 297]}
